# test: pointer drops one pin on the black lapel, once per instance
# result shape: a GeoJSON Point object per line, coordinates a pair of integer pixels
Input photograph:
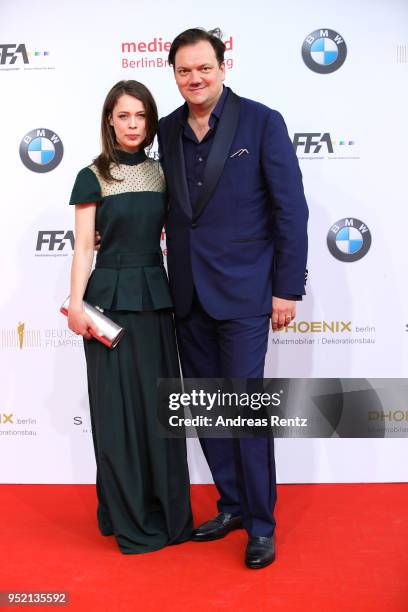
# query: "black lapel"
{"type": "Point", "coordinates": [176, 175]}
{"type": "Point", "coordinates": [220, 148]}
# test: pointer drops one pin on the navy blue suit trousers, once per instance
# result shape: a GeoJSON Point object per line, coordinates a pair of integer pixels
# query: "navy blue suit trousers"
{"type": "Point", "coordinates": [243, 468]}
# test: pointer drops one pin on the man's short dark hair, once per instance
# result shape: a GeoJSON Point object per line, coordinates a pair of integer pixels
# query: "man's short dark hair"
{"type": "Point", "coordinates": [195, 35]}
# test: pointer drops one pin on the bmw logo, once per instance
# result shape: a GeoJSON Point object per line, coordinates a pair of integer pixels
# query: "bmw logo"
{"type": "Point", "coordinates": [349, 239]}
{"type": "Point", "coordinates": [41, 150]}
{"type": "Point", "coordinates": [324, 51]}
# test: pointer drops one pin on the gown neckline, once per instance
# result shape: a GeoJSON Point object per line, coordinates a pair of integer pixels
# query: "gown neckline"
{"type": "Point", "coordinates": [131, 159]}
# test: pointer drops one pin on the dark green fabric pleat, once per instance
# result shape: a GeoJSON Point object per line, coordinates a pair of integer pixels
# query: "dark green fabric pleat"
{"type": "Point", "coordinates": [142, 478]}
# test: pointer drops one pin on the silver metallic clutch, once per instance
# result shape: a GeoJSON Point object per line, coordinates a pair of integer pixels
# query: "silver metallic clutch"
{"type": "Point", "coordinates": [111, 333]}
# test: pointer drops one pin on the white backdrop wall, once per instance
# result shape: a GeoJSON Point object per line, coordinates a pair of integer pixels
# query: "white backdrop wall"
{"type": "Point", "coordinates": [75, 53]}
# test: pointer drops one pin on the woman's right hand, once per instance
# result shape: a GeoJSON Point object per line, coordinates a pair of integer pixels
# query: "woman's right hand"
{"type": "Point", "coordinates": [81, 324]}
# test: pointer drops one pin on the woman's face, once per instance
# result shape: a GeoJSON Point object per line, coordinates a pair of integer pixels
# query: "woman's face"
{"type": "Point", "coordinates": [128, 119]}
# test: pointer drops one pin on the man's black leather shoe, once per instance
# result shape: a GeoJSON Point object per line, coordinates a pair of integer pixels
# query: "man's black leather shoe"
{"type": "Point", "coordinates": [217, 528]}
{"type": "Point", "coordinates": [260, 552]}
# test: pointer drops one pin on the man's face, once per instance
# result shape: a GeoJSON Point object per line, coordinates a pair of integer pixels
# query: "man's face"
{"type": "Point", "coordinates": [198, 75]}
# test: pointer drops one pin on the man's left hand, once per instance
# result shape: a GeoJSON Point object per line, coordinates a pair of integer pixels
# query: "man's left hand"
{"type": "Point", "coordinates": [283, 312]}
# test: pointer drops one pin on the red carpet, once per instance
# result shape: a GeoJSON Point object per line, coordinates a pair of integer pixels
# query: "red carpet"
{"type": "Point", "coordinates": [339, 547]}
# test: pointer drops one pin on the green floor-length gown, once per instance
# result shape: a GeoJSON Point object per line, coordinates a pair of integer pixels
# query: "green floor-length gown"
{"type": "Point", "coordinates": [142, 478]}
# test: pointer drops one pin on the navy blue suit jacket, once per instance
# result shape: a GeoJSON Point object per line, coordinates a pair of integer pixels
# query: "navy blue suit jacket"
{"type": "Point", "coordinates": [246, 238]}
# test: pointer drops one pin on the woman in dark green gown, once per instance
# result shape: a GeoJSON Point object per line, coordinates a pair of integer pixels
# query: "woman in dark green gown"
{"type": "Point", "coordinates": [142, 478]}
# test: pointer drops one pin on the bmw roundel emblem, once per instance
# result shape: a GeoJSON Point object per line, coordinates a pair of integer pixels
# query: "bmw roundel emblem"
{"type": "Point", "coordinates": [324, 51]}
{"type": "Point", "coordinates": [41, 150]}
{"type": "Point", "coordinates": [349, 239]}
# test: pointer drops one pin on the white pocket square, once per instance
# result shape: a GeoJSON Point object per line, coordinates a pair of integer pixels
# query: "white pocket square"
{"type": "Point", "coordinates": [240, 152]}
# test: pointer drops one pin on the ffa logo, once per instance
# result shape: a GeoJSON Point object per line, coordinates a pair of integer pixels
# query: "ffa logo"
{"type": "Point", "coordinates": [41, 150]}
{"type": "Point", "coordinates": [324, 51]}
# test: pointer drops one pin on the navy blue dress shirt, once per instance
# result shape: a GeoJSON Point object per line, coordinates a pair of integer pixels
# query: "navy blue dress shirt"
{"type": "Point", "coordinates": [196, 152]}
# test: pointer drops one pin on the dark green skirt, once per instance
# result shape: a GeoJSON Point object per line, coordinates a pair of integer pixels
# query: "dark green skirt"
{"type": "Point", "coordinates": [142, 478]}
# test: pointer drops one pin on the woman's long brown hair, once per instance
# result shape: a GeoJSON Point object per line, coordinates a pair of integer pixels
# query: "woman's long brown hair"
{"type": "Point", "coordinates": [109, 145]}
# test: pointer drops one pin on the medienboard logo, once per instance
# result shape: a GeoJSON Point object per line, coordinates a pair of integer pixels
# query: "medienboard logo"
{"type": "Point", "coordinates": [349, 239]}
{"type": "Point", "coordinates": [54, 243]}
{"type": "Point", "coordinates": [322, 145]}
{"type": "Point", "coordinates": [324, 51]}
{"type": "Point", "coordinates": [153, 53]}
{"type": "Point", "coordinates": [41, 150]}
{"type": "Point", "coordinates": [16, 56]}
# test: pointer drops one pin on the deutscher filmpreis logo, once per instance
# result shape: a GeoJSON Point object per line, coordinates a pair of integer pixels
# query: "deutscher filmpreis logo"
{"type": "Point", "coordinates": [349, 239]}
{"type": "Point", "coordinates": [41, 150]}
{"type": "Point", "coordinates": [324, 51]}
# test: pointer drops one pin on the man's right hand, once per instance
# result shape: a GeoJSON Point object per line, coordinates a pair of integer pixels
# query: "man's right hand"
{"type": "Point", "coordinates": [97, 244]}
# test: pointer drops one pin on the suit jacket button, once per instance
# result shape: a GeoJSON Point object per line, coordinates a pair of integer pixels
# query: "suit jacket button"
{"type": "Point", "coordinates": [193, 225]}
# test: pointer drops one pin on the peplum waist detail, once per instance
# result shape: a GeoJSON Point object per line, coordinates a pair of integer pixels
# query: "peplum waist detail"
{"type": "Point", "coordinates": [129, 281]}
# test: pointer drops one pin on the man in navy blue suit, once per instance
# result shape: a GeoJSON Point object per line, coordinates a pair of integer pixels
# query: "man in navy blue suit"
{"type": "Point", "coordinates": [237, 248]}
